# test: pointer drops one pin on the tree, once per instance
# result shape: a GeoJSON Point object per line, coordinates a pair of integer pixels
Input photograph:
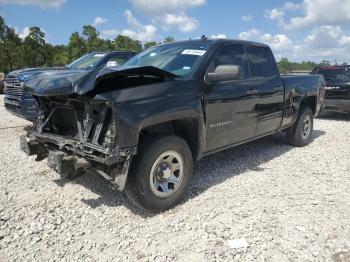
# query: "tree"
{"type": "Point", "coordinates": [92, 40]}
{"type": "Point", "coordinates": [149, 44]}
{"type": "Point", "coordinates": [325, 63]}
{"type": "Point", "coordinates": [169, 39]}
{"type": "Point", "coordinates": [284, 66]}
{"type": "Point", "coordinates": [60, 55]}
{"type": "Point", "coordinates": [76, 46]}
{"type": "Point", "coordinates": [125, 43]}
{"type": "Point", "coordinates": [36, 51]}
{"type": "Point", "coordinates": [10, 48]}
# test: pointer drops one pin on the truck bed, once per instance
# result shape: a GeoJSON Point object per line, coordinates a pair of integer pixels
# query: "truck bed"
{"type": "Point", "coordinates": [303, 82]}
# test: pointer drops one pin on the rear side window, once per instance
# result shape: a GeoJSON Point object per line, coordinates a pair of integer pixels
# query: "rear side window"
{"type": "Point", "coordinates": [233, 54]}
{"type": "Point", "coordinates": [260, 63]}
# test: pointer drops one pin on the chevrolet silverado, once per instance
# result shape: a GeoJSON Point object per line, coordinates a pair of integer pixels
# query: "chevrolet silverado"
{"type": "Point", "coordinates": [143, 125]}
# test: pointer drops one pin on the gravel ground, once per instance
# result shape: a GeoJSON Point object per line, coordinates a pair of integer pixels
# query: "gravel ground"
{"type": "Point", "coordinates": [284, 203]}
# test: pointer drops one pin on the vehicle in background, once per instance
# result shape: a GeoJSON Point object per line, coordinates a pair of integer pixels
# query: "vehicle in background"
{"type": "Point", "coordinates": [2, 76]}
{"type": "Point", "coordinates": [165, 108]}
{"type": "Point", "coordinates": [337, 97]}
{"type": "Point", "coordinates": [300, 72]}
{"type": "Point", "coordinates": [22, 104]}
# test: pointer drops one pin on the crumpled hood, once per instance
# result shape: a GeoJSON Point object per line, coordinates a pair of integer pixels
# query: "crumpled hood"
{"type": "Point", "coordinates": [31, 72]}
{"type": "Point", "coordinates": [53, 83]}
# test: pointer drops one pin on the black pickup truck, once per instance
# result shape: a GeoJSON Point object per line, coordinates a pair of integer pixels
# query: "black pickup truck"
{"type": "Point", "coordinates": [22, 104]}
{"type": "Point", "coordinates": [142, 126]}
{"type": "Point", "coordinates": [337, 97]}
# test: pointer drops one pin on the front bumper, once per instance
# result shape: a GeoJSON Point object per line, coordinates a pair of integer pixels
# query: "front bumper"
{"type": "Point", "coordinates": [337, 105]}
{"type": "Point", "coordinates": [98, 154]}
{"type": "Point", "coordinates": [67, 163]}
{"type": "Point", "coordinates": [24, 107]}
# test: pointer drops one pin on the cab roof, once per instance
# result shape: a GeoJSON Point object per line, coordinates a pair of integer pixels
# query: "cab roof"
{"type": "Point", "coordinates": [219, 40]}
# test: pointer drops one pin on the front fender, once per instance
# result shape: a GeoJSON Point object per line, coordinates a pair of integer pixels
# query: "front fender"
{"type": "Point", "coordinates": [138, 108]}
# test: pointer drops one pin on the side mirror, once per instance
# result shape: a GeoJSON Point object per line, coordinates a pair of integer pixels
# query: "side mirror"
{"type": "Point", "coordinates": [224, 73]}
{"type": "Point", "coordinates": [111, 64]}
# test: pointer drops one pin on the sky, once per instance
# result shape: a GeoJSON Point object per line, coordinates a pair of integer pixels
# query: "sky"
{"type": "Point", "coordinates": [299, 30]}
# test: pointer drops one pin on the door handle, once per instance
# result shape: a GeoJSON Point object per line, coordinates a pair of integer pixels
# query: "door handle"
{"type": "Point", "coordinates": [252, 92]}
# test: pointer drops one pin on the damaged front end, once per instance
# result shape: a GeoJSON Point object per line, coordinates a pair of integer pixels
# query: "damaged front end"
{"type": "Point", "coordinates": [78, 135]}
{"type": "Point", "coordinates": [76, 128]}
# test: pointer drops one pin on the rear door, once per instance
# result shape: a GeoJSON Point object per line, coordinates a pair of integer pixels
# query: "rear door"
{"type": "Point", "coordinates": [231, 107]}
{"type": "Point", "coordinates": [268, 86]}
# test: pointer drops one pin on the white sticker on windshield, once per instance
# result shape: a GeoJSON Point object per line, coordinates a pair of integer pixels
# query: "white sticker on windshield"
{"type": "Point", "coordinates": [99, 55]}
{"type": "Point", "coordinates": [193, 52]}
{"type": "Point", "coordinates": [186, 68]}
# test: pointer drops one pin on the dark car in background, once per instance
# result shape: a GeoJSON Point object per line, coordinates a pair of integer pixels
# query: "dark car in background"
{"type": "Point", "coordinates": [337, 97]}
{"type": "Point", "coordinates": [22, 104]}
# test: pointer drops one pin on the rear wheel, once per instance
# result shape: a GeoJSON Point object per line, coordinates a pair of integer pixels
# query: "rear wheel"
{"type": "Point", "coordinates": [300, 133]}
{"type": "Point", "coordinates": [160, 174]}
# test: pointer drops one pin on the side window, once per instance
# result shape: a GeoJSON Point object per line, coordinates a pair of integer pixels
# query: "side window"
{"type": "Point", "coordinates": [116, 61]}
{"type": "Point", "coordinates": [260, 63]}
{"type": "Point", "coordinates": [233, 54]}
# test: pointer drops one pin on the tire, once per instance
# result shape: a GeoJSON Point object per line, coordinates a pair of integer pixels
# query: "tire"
{"type": "Point", "coordinates": [300, 134]}
{"type": "Point", "coordinates": [160, 174]}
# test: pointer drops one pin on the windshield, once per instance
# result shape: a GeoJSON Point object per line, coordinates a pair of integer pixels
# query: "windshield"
{"type": "Point", "coordinates": [177, 58]}
{"type": "Point", "coordinates": [86, 62]}
{"type": "Point", "coordinates": [340, 74]}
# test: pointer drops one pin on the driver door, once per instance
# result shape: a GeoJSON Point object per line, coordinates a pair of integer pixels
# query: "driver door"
{"type": "Point", "coordinates": [231, 106]}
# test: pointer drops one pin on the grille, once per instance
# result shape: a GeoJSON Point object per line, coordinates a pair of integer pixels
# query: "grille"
{"type": "Point", "coordinates": [338, 94]}
{"type": "Point", "coordinates": [11, 108]}
{"type": "Point", "coordinates": [13, 88]}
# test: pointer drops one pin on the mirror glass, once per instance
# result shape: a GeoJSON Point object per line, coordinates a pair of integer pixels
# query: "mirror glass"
{"type": "Point", "coordinates": [224, 73]}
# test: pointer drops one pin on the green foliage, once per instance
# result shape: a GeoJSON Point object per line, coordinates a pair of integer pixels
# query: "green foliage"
{"type": "Point", "coordinates": [10, 48]}
{"type": "Point", "coordinates": [60, 55]}
{"type": "Point", "coordinates": [169, 39]}
{"type": "Point", "coordinates": [286, 66]}
{"type": "Point", "coordinates": [34, 51]}
{"type": "Point", "coordinates": [127, 44]}
{"type": "Point", "coordinates": [325, 63]}
{"type": "Point", "coordinates": [149, 44]}
{"type": "Point", "coordinates": [76, 46]}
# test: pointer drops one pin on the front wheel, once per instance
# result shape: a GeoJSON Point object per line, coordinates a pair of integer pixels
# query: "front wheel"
{"type": "Point", "coordinates": [300, 133]}
{"type": "Point", "coordinates": [160, 173]}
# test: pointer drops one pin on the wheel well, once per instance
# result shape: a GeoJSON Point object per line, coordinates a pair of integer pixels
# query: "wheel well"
{"type": "Point", "coordinates": [310, 101]}
{"type": "Point", "coordinates": [187, 129]}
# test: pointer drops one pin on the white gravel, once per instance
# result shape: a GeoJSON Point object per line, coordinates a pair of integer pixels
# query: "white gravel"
{"type": "Point", "coordinates": [283, 203]}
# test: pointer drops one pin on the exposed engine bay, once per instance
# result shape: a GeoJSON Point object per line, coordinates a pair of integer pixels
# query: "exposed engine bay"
{"type": "Point", "coordinates": [80, 126]}
{"type": "Point", "coordinates": [78, 135]}
{"type": "Point", "coordinates": [76, 131]}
